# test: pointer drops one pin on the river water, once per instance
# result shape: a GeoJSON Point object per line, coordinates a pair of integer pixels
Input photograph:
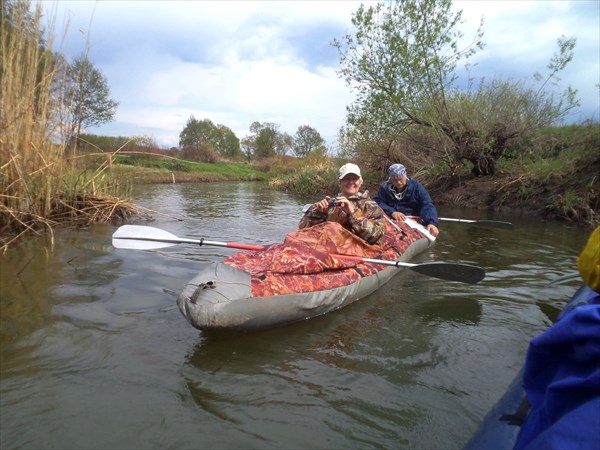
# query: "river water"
{"type": "Point", "coordinates": [95, 354]}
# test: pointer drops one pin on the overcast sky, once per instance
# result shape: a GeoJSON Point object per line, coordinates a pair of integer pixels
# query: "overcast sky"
{"type": "Point", "coordinates": [271, 61]}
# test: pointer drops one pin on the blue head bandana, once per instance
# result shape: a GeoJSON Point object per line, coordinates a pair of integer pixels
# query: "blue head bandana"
{"type": "Point", "coordinates": [396, 171]}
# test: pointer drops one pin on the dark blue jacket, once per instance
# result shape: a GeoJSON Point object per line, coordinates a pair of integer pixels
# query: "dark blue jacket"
{"type": "Point", "coordinates": [416, 201]}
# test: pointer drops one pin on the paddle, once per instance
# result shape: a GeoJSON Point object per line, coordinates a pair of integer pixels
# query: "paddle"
{"type": "Point", "coordinates": [417, 225]}
{"type": "Point", "coordinates": [139, 237]}
{"type": "Point", "coordinates": [485, 223]}
{"type": "Point", "coordinates": [464, 273]}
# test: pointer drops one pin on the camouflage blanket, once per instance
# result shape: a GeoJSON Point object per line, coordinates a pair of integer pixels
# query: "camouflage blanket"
{"type": "Point", "coordinates": [305, 261]}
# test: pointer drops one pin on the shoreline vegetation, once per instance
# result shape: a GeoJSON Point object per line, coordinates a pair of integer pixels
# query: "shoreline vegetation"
{"type": "Point", "coordinates": [565, 186]}
{"type": "Point", "coordinates": [47, 180]}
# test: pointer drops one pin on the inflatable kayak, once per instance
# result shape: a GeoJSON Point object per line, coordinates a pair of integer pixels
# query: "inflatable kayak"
{"type": "Point", "coordinates": [315, 270]}
{"type": "Point", "coordinates": [301, 278]}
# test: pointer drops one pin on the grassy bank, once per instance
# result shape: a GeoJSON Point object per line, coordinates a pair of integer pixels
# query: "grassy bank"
{"type": "Point", "coordinates": [144, 169]}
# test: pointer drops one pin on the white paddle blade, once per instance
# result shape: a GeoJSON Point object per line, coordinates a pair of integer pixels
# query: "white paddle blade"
{"type": "Point", "coordinates": [137, 237]}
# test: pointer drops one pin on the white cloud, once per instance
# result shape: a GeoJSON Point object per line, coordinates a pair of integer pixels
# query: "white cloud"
{"type": "Point", "coordinates": [235, 62]}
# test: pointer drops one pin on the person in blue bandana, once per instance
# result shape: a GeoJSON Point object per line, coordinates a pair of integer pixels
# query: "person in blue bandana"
{"type": "Point", "coordinates": [400, 196]}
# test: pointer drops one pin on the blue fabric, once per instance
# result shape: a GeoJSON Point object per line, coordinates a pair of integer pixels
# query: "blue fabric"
{"type": "Point", "coordinates": [562, 382]}
{"type": "Point", "coordinates": [396, 171]}
{"type": "Point", "coordinates": [416, 201]}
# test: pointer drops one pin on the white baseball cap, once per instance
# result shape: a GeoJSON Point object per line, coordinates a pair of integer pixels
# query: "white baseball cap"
{"type": "Point", "coordinates": [349, 168]}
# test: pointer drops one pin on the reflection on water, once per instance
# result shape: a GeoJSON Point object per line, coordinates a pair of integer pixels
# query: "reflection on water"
{"type": "Point", "coordinates": [463, 311]}
{"type": "Point", "coordinates": [95, 354]}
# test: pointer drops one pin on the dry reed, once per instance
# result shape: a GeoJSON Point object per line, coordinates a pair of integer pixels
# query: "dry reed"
{"type": "Point", "coordinates": [41, 187]}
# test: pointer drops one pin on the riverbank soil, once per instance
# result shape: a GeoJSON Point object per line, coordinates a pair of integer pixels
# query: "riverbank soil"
{"type": "Point", "coordinates": [576, 199]}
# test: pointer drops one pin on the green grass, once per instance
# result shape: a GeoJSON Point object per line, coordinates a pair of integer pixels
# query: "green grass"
{"type": "Point", "coordinates": [308, 183]}
{"type": "Point", "coordinates": [151, 170]}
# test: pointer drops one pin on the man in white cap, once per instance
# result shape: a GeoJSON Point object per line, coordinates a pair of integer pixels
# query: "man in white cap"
{"type": "Point", "coordinates": [353, 209]}
{"type": "Point", "coordinates": [401, 196]}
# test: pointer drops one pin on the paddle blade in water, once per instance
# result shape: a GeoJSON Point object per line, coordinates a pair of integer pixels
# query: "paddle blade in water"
{"type": "Point", "coordinates": [450, 271]}
{"type": "Point", "coordinates": [494, 224]}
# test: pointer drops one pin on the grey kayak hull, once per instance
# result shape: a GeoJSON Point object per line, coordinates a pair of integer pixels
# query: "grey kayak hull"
{"type": "Point", "coordinates": [220, 298]}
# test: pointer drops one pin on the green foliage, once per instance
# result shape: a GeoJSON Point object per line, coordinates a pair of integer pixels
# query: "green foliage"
{"type": "Point", "coordinates": [558, 175]}
{"type": "Point", "coordinates": [202, 140]}
{"type": "Point", "coordinates": [104, 143]}
{"type": "Point", "coordinates": [227, 143]}
{"type": "Point", "coordinates": [87, 101]}
{"type": "Point", "coordinates": [309, 183]}
{"type": "Point", "coordinates": [314, 175]}
{"type": "Point", "coordinates": [554, 141]}
{"type": "Point", "coordinates": [401, 61]}
{"type": "Point", "coordinates": [197, 133]}
{"type": "Point", "coordinates": [173, 165]}
{"type": "Point", "coordinates": [266, 141]}
{"type": "Point", "coordinates": [500, 117]}
{"type": "Point", "coordinates": [317, 175]}
{"type": "Point", "coordinates": [199, 138]}
{"type": "Point", "coordinates": [572, 206]}
{"type": "Point", "coordinates": [265, 138]}
{"type": "Point", "coordinates": [437, 169]}
{"type": "Point", "coordinates": [163, 169]}
{"type": "Point", "coordinates": [306, 141]}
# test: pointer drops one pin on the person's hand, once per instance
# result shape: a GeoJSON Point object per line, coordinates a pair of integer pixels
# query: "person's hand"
{"type": "Point", "coordinates": [345, 204]}
{"type": "Point", "coordinates": [397, 215]}
{"type": "Point", "coordinates": [433, 230]}
{"type": "Point", "coordinates": [323, 205]}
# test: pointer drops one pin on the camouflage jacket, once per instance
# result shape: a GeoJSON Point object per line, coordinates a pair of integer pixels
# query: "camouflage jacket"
{"type": "Point", "coordinates": [366, 221]}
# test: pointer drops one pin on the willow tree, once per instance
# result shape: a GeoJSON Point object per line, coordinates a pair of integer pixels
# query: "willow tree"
{"type": "Point", "coordinates": [401, 62]}
{"type": "Point", "coordinates": [202, 138]}
{"type": "Point", "coordinates": [88, 98]}
{"type": "Point", "coordinates": [306, 141]}
{"type": "Point", "coordinates": [266, 141]}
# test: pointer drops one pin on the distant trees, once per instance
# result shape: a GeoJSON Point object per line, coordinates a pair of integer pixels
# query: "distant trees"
{"type": "Point", "coordinates": [92, 142]}
{"type": "Point", "coordinates": [401, 62]}
{"type": "Point", "coordinates": [227, 143]}
{"type": "Point", "coordinates": [202, 140]}
{"type": "Point", "coordinates": [306, 141]}
{"type": "Point", "coordinates": [266, 141]}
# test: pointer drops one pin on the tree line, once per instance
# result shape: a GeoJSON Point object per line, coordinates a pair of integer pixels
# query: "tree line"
{"type": "Point", "coordinates": [202, 140]}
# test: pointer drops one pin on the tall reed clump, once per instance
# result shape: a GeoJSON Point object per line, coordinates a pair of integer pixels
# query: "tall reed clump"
{"type": "Point", "coordinates": [39, 186]}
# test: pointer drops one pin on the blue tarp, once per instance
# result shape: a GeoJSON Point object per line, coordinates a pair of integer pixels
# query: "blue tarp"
{"type": "Point", "coordinates": [562, 381]}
